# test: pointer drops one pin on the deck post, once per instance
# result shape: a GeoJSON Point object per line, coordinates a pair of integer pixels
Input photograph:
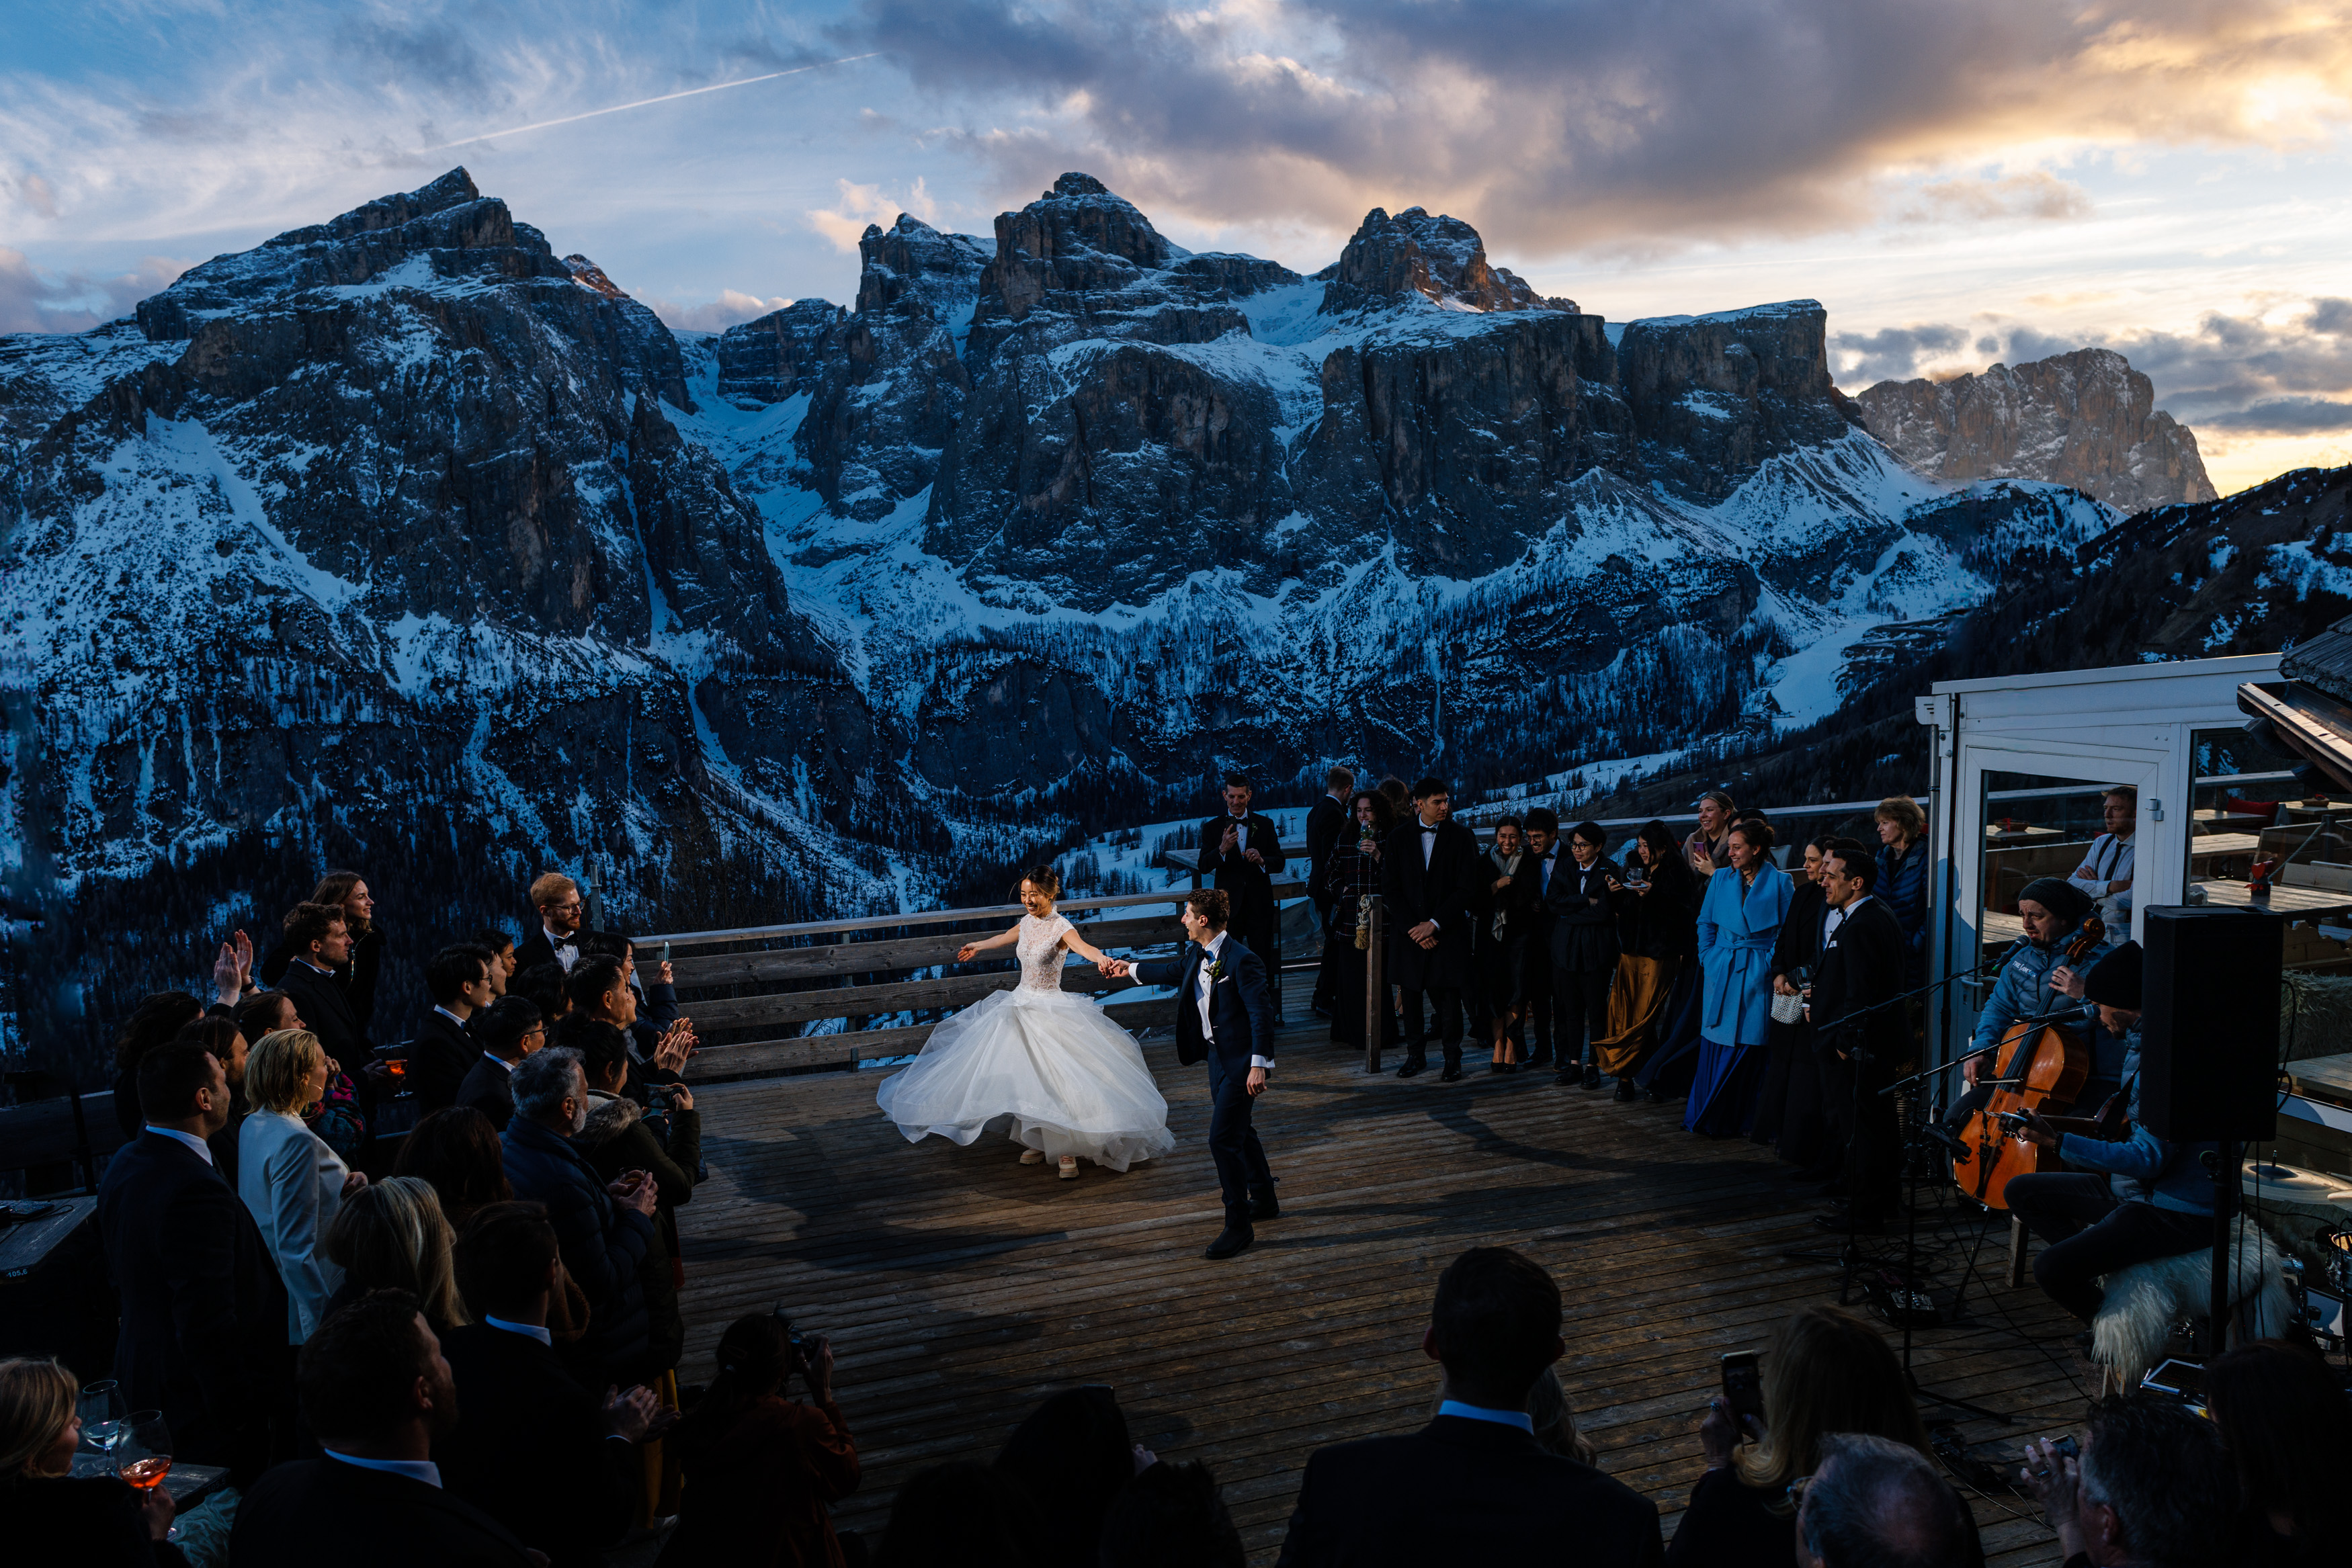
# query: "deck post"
{"type": "Point", "coordinates": [1376, 990]}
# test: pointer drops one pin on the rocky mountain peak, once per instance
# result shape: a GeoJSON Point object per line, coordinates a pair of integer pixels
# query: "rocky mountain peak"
{"type": "Point", "coordinates": [589, 276]}
{"type": "Point", "coordinates": [2086, 419]}
{"type": "Point", "coordinates": [1077, 236]}
{"type": "Point", "coordinates": [1439, 257]}
{"type": "Point", "coordinates": [912, 260]}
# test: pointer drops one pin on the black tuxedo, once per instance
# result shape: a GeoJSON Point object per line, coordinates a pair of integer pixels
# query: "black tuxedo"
{"type": "Point", "coordinates": [323, 1513]}
{"type": "Point", "coordinates": [1862, 963]}
{"type": "Point", "coordinates": [1445, 889]}
{"type": "Point", "coordinates": [1241, 1018]}
{"type": "Point", "coordinates": [1464, 1490]}
{"type": "Point", "coordinates": [1540, 988]}
{"type": "Point", "coordinates": [325, 1009]}
{"type": "Point", "coordinates": [530, 1449]}
{"type": "Point", "coordinates": [1584, 953]}
{"type": "Point", "coordinates": [490, 1088]}
{"type": "Point", "coordinates": [1248, 885]}
{"type": "Point", "coordinates": [1325, 821]}
{"type": "Point", "coordinates": [204, 1313]}
{"type": "Point", "coordinates": [440, 1056]}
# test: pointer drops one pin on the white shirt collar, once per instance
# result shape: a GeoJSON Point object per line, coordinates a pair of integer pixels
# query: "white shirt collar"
{"type": "Point", "coordinates": [188, 1138]}
{"type": "Point", "coordinates": [554, 940]}
{"type": "Point", "coordinates": [1214, 945]}
{"type": "Point", "coordinates": [305, 960]}
{"type": "Point", "coordinates": [423, 1470]}
{"type": "Point", "coordinates": [502, 1061]}
{"type": "Point", "coordinates": [1518, 1418]}
{"type": "Point", "coordinates": [529, 1330]}
{"type": "Point", "coordinates": [446, 1013]}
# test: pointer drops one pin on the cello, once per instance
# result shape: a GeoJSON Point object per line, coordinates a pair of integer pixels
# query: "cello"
{"type": "Point", "coordinates": [2044, 1072]}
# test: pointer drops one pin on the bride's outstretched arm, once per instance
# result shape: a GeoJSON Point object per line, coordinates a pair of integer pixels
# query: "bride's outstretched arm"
{"type": "Point", "coordinates": [1084, 948]}
{"type": "Point", "coordinates": [964, 953]}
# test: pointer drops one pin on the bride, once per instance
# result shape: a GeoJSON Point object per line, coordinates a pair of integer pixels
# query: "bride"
{"type": "Point", "coordinates": [1040, 1062]}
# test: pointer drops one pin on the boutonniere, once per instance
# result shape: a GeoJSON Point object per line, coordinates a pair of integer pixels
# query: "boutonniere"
{"type": "Point", "coordinates": [1216, 971]}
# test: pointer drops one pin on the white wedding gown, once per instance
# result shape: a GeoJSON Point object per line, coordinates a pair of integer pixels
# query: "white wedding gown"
{"type": "Point", "coordinates": [1043, 1063]}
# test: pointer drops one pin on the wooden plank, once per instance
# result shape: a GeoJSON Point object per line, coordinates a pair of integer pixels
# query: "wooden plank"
{"type": "Point", "coordinates": [901, 952]}
{"type": "Point", "coordinates": [768, 1058]}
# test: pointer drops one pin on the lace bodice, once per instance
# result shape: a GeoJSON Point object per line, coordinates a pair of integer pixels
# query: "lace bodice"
{"type": "Point", "coordinates": [1040, 947]}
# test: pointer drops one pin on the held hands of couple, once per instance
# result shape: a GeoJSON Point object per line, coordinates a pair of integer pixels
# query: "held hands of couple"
{"type": "Point", "coordinates": [1116, 969]}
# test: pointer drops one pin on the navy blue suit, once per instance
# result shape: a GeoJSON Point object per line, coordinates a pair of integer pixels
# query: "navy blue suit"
{"type": "Point", "coordinates": [1241, 1018]}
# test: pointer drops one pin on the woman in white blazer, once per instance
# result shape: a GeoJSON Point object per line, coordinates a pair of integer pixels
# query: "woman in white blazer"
{"type": "Point", "coordinates": [290, 1179]}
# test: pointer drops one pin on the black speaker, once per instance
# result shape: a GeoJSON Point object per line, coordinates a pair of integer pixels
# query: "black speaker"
{"type": "Point", "coordinates": [2208, 1049]}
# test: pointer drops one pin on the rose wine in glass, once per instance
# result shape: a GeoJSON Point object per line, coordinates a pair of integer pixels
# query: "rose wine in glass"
{"type": "Point", "coordinates": [143, 1449]}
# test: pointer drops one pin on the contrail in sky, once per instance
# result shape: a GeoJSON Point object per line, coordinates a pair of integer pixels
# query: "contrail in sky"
{"type": "Point", "coordinates": [666, 98]}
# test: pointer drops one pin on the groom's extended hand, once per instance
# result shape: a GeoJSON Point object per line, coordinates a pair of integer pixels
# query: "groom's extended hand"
{"type": "Point", "coordinates": [1115, 968]}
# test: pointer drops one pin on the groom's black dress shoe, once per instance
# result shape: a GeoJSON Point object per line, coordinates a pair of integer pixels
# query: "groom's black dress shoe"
{"type": "Point", "coordinates": [1264, 1207]}
{"type": "Point", "coordinates": [1232, 1240]}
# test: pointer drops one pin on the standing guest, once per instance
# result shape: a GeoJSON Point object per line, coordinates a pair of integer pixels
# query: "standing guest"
{"type": "Point", "coordinates": [1657, 928]}
{"type": "Point", "coordinates": [764, 1470]}
{"type": "Point", "coordinates": [1171, 1516]}
{"type": "Point", "coordinates": [458, 980]}
{"type": "Point", "coordinates": [1473, 1486]}
{"type": "Point", "coordinates": [2153, 1487]}
{"type": "Point", "coordinates": [1545, 857]}
{"type": "Point", "coordinates": [2105, 877]}
{"type": "Point", "coordinates": [1708, 848]}
{"type": "Point", "coordinates": [292, 1184]}
{"type": "Point", "coordinates": [317, 947]}
{"type": "Point", "coordinates": [457, 1154]}
{"type": "Point", "coordinates": [1070, 1456]}
{"type": "Point", "coordinates": [1903, 877]}
{"type": "Point", "coordinates": [1350, 874]}
{"type": "Point", "coordinates": [1580, 900]}
{"type": "Point", "coordinates": [606, 1228]}
{"type": "Point", "coordinates": [338, 1119]}
{"type": "Point", "coordinates": [1876, 1502]}
{"type": "Point", "coordinates": [2284, 1421]}
{"type": "Point", "coordinates": [1828, 1370]}
{"type": "Point", "coordinates": [561, 911]}
{"type": "Point", "coordinates": [1242, 850]}
{"type": "Point", "coordinates": [358, 967]}
{"type": "Point", "coordinates": [377, 1392]}
{"type": "Point", "coordinates": [266, 1012]}
{"type": "Point", "coordinates": [533, 1449]}
{"type": "Point", "coordinates": [1325, 821]}
{"type": "Point", "coordinates": [1429, 875]}
{"type": "Point", "coordinates": [542, 984]}
{"type": "Point", "coordinates": [618, 1139]}
{"type": "Point", "coordinates": [391, 1236]}
{"type": "Point", "coordinates": [1861, 968]}
{"type": "Point", "coordinates": [48, 1514]}
{"type": "Point", "coordinates": [1790, 1111]}
{"type": "Point", "coordinates": [1400, 797]}
{"type": "Point", "coordinates": [1746, 903]}
{"type": "Point", "coordinates": [218, 1034]}
{"type": "Point", "coordinates": [152, 1023]}
{"type": "Point", "coordinates": [1498, 955]}
{"type": "Point", "coordinates": [495, 941]}
{"type": "Point", "coordinates": [203, 1314]}
{"type": "Point", "coordinates": [508, 1031]}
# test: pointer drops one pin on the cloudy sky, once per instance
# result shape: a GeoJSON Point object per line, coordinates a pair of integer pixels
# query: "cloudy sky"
{"type": "Point", "coordinates": [1960, 182]}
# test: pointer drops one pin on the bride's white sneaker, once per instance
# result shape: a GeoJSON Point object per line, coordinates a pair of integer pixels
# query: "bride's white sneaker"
{"type": "Point", "coordinates": [1069, 1167]}
{"type": "Point", "coordinates": [1033, 1157]}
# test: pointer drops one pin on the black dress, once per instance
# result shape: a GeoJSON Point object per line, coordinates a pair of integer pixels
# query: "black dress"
{"type": "Point", "coordinates": [1789, 1107]}
{"type": "Point", "coordinates": [1346, 876]}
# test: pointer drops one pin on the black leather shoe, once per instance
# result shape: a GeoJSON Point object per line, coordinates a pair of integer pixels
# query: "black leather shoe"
{"type": "Point", "coordinates": [1654, 1096]}
{"type": "Point", "coordinates": [1451, 1075]}
{"type": "Point", "coordinates": [1264, 1207]}
{"type": "Point", "coordinates": [1413, 1069]}
{"type": "Point", "coordinates": [1843, 1223]}
{"type": "Point", "coordinates": [1624, 1095]}
{"type": "Point", "coordinates": [1232, 1240]}
{"type": "Point", "coordinates": [1568, 1076]}
{"type": "Point", "coordinates": [1593, 1078]}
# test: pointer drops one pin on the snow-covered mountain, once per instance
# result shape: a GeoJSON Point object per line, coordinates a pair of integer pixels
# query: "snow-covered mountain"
{"type": "Point", "coordinates": [403, 539]}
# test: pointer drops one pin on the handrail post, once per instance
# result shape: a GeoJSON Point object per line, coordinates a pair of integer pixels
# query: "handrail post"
{"type": "Point", "coordinates": [1375, 987]}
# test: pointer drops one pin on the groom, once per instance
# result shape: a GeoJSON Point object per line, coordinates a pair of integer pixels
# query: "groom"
{"type": "Point", "coordinates": [1224, 1014]}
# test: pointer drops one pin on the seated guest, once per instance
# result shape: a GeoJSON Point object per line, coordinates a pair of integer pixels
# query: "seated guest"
{"type": "Point", "coordinates": [532, 1448]}
{"type": "Point", "coordinates": [1829, 1370]}
{"type": "Point", "coordinates": [459, 980]}
{"type": "Point", "coordinates": [500, 947]}
{"type": "Point", "coordinates": [543, 985]}
{"type": "Point", "coordinates": [603, 987]}
{"type": "Point", "coordinates": [604, 1227]}
{"type": "Point", "coordinates": [390, 1236]}
{"type": "Point", "coordinates": [762, 1470]}
{"type": "Point", "coordinates": [49, 1515]}
{"type": "Point", "coordinates": [1070, 1456]}
{"type": "Point", "coordinates": [619, 1139]}
{"type": "Point", "coordinates": [266, 1012]}
{"type": "Point", "coordinates": [317, 944]}
{"type": "Point", "coordinates": [1878, 1503]}
{"type": "Point", "coordinates": [1473, 1486]}
{"type": "Point", "coordinates": [377, 1392]}
{"type": "Point", "coordinates": [151, 1023]}
{"type": "Point", "coordinates": [2284, 1419]}
{"type": "Point", "coordinates": [1555, 1423]}
{"type": "Point", "coordinates": [963, 1513]}
{"type": "Point", "coordinates": [2153, 1488]}
{"type": "Point", "coordinates": [2141, 1198]}
{"type": "Point", "coordinates": [1171, 1516]}
{"type": "Point", "coordinates": [204, 1316]}
{"type": "Point", "coordinates": [291, 1183]}
{"type": "Point", "coordinates": [508, 1031]}
{"type": "Point", "coordinates": [561, 911]}
{"type": "Point", "coordinates": [217, 1034]}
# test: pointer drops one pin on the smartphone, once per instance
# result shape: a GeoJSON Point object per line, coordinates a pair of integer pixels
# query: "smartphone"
{"type": "Point", "coordinates": [1743, 1384]}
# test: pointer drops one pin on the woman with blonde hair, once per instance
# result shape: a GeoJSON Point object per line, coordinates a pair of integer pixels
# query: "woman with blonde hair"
{"type": "Point", "coordinates": [1903, 876]}
{"type": "Point", "coordinates": [291, 1181]}
{"type": "Point", "coordinates": [391, 1237]}
{"type": "Point", "coordinates": [48, 1514]}
{"type": "Point", "coordinates": [1829, 1371]}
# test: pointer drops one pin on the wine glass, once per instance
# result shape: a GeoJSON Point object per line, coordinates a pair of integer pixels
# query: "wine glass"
{"type": "Point", "coordinates": [101, 1408]}
{"type": "Point", "coordinates": [143, 1449]}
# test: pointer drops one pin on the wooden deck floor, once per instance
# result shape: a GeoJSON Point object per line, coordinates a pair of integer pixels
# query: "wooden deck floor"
{"type": "Point", "coordinates": [959, 1287]}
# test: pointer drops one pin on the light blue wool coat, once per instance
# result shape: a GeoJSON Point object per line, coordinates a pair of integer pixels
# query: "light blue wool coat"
{"type": "Point", "coordinates": [1735, 928]}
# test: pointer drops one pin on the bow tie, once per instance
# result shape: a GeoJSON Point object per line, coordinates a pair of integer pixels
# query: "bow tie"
{"type": "Point", "coordinates": [1429, 832]}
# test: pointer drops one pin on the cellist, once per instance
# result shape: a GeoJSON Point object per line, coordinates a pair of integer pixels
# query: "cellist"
{"type": "Point", "coordinates": [2035, 982]}
{"type": "Point", "coordinates": [2150, 1199]}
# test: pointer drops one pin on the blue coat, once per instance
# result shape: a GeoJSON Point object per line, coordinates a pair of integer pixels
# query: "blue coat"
{"type": "Point", "coordinates": [2022, 992]}
{"type": "Point", "coordinates": [1736, 929]}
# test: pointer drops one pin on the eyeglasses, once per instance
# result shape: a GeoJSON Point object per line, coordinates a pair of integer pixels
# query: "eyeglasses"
{"type": "Point", "coordinates": [1797, 1490]}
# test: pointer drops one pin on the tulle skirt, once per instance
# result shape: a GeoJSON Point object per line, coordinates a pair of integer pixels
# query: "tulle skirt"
{"type": "Point", "coordinates": [1047, 1067]}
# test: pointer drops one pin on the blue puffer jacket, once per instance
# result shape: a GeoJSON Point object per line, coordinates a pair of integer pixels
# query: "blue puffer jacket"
{"type": "Point", "coordinates": [2022, 991]}
{"type": "Point", "coordinates": [2143, 1168]}
{"type": "Point", "coordinates": [602, 1242]}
